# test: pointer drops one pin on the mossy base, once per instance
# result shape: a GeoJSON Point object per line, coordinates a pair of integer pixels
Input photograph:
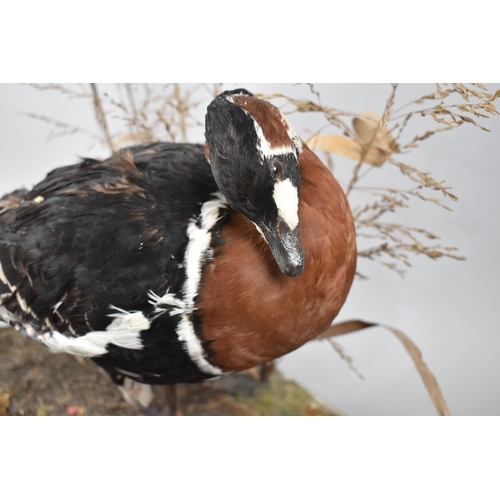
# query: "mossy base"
{"type": "Point", "coordinates": [33, 381]}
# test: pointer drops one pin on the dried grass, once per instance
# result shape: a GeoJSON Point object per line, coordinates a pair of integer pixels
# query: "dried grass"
{"type": "Point", "coordinates": [144, 113]}
{"type": "Point", "coordinates": [376, 143]}
{"type": "Point", "coordinates": [428, 379]}
{"type": "Point", "coordinates": [132, 113]}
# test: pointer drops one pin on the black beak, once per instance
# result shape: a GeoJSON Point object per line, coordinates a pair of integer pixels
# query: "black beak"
{"type": "Point", "coordinates": [286, 247]}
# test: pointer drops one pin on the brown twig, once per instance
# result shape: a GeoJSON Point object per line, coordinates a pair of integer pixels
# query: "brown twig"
{"type": "Point", "coordinates": [101, 117]}
{"type": "Point", "coordinates": [426, 375]}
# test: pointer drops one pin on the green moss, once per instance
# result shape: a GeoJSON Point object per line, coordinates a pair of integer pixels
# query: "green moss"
{"type": "Point", "coordinates": [281, 396]}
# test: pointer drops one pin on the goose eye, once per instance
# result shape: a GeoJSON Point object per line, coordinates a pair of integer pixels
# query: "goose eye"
{"type": "Point", "coordinates": [277, 170]}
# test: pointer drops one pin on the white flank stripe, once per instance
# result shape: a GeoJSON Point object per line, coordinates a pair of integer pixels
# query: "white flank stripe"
{"type": "Point", "coordinates": [124, 331]}
{"type": "Point", "coordinates": [185, 332]}
{"type": "Point", "coordinates": [125, 320]}
{"type": "Point", "coordinates": [90, 344]}
{"type": "Point", "coordinates": [286, 197]}
{"type": "Point", "coordinates": [198, 246]}
{"type": "Point", "coordinates": [197, 251]}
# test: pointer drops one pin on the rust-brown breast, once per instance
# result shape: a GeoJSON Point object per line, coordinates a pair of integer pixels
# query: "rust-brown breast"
{"type": "Point", "coordinates": [252, 313]}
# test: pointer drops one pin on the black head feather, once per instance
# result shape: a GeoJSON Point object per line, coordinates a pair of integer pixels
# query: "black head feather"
{"type": "Point", "coordinates": [247, 173]}
{"type": "Point", "coordinates": [238, 169]}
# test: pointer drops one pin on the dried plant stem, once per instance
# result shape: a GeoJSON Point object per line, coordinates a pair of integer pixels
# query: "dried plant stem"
{"type": "Point", "coordinates": [63, 128]}
{"type": "Point", "coordinates": [130, 95]}
{"type": "Point", "coordinates": [101, 117]}
{"type": "Point", "coordinates": [426, 375]}
{"type": "Point", "coordinates": [339, 349]}
{"type": "Point", "coordinates": [366, 147]}
{"type": "Point", "coordinates": [181, 110]}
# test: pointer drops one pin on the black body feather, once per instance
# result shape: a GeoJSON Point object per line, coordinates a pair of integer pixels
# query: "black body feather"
{"type": "Point", "coordinates": [106, 233]}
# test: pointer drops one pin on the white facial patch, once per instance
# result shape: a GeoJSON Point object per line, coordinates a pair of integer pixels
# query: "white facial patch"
{"type": "Point", "coordinates": [286, 197]}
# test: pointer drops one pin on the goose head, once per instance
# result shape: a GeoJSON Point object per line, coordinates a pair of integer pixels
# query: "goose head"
{"type": "Point", "coordinates": [254, 159]}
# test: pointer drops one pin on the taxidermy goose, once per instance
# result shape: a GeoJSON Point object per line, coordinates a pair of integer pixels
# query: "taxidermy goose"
{"type": "Point", "coordinates": [171, 263]}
